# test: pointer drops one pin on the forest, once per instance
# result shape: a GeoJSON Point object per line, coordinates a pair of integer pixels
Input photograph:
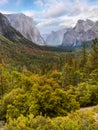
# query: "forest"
{"type": "Point", "coordinates": [46, 90]}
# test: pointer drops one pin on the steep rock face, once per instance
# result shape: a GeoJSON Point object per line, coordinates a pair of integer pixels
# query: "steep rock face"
{"type": "Point", "coordinates": [95, 28]}
{"type": "Point", "coordinates": [83, 25]}
{"type": "Point", "coordinates": [25, 25]}
{"type": "Point", "coordinates": [84, 31]}
{"type": "Point", "coordinates": [7, 30]}
{"type": "Point", "coordinates": [45, 35]}
{"type": "Point", "coordinates": [55, 37]}
{"type": "Point", "coordinates": [4, 24]}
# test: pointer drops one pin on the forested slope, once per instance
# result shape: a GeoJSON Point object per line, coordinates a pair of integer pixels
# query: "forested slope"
{"type": "Point", "coordinates": [42, 87]}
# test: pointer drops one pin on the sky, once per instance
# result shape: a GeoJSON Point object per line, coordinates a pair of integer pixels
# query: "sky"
{"type": "Point", "coordinates": [51, 15]}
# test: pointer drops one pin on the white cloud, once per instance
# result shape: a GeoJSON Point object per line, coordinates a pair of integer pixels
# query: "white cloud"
{"type": "Point", "coordinates": [53, 14]}
{"type": "Point", "coordinates": [56, 10]}
{"type": "Point", "coordinates": [30, 13]}
{"type": "Point", "coordinates": [66, 12]}
{"type": "Point", "coordinates": [68, 23]}
{"type": "Point", "coordinates": [3, 2]}
{"type": "Point", "coordinates": [46, 23]}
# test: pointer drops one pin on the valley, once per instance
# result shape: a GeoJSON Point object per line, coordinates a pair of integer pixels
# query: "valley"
{"type": "Point", "coordinates": [45, 86]}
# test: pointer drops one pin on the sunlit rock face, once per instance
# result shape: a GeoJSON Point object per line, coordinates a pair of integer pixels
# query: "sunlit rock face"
{"type": "Point", "coordinates": [83, 31]}
{"type": "Point", "coordinates": [25, 25]}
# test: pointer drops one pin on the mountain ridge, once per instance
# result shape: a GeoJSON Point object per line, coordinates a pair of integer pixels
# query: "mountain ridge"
{"type": "Point", "coordinates": [55, 37]}
{"type": "Point", "coordinates": [84, 31]}
{"type": "Point", "coordinates": [25, 25]}
{"type": "Point", "coordinates": [7, 30]}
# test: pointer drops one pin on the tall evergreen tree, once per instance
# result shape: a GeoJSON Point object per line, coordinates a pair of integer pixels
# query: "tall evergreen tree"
{"type": "Point", "coordinates": [94, 54]}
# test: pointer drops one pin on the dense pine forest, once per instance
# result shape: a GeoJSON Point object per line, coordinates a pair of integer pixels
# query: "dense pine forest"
{"type": "Point", "coordinates": [45, 90]}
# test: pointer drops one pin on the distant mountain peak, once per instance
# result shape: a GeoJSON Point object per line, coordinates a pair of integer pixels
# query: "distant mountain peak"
{"type": "Point", "coordinates": [55, 37]}
{"type": "Point", "coordinates": [80, 21]}
{"type": "Point", "coordinates": [83, 25]}
{"type": "Point", "coordinates": [84, 31]}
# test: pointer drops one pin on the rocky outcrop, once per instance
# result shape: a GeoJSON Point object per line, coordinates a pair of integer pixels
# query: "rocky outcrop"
{"type": "Point", "coordinates": [25, 25]}
{"type": "Point", "coordinates": [84, 31]}
{"type": "Point", "coordinates": [7, 30]}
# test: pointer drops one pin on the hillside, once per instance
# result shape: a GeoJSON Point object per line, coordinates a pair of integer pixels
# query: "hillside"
{"type": "Point", "coordinates": [14, 48]}
{"type": "Point", "coordinates": [39, 89]}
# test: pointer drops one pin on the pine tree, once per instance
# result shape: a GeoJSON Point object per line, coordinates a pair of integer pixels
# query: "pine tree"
{"type": "Point", "coordinates": [93, 57]}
